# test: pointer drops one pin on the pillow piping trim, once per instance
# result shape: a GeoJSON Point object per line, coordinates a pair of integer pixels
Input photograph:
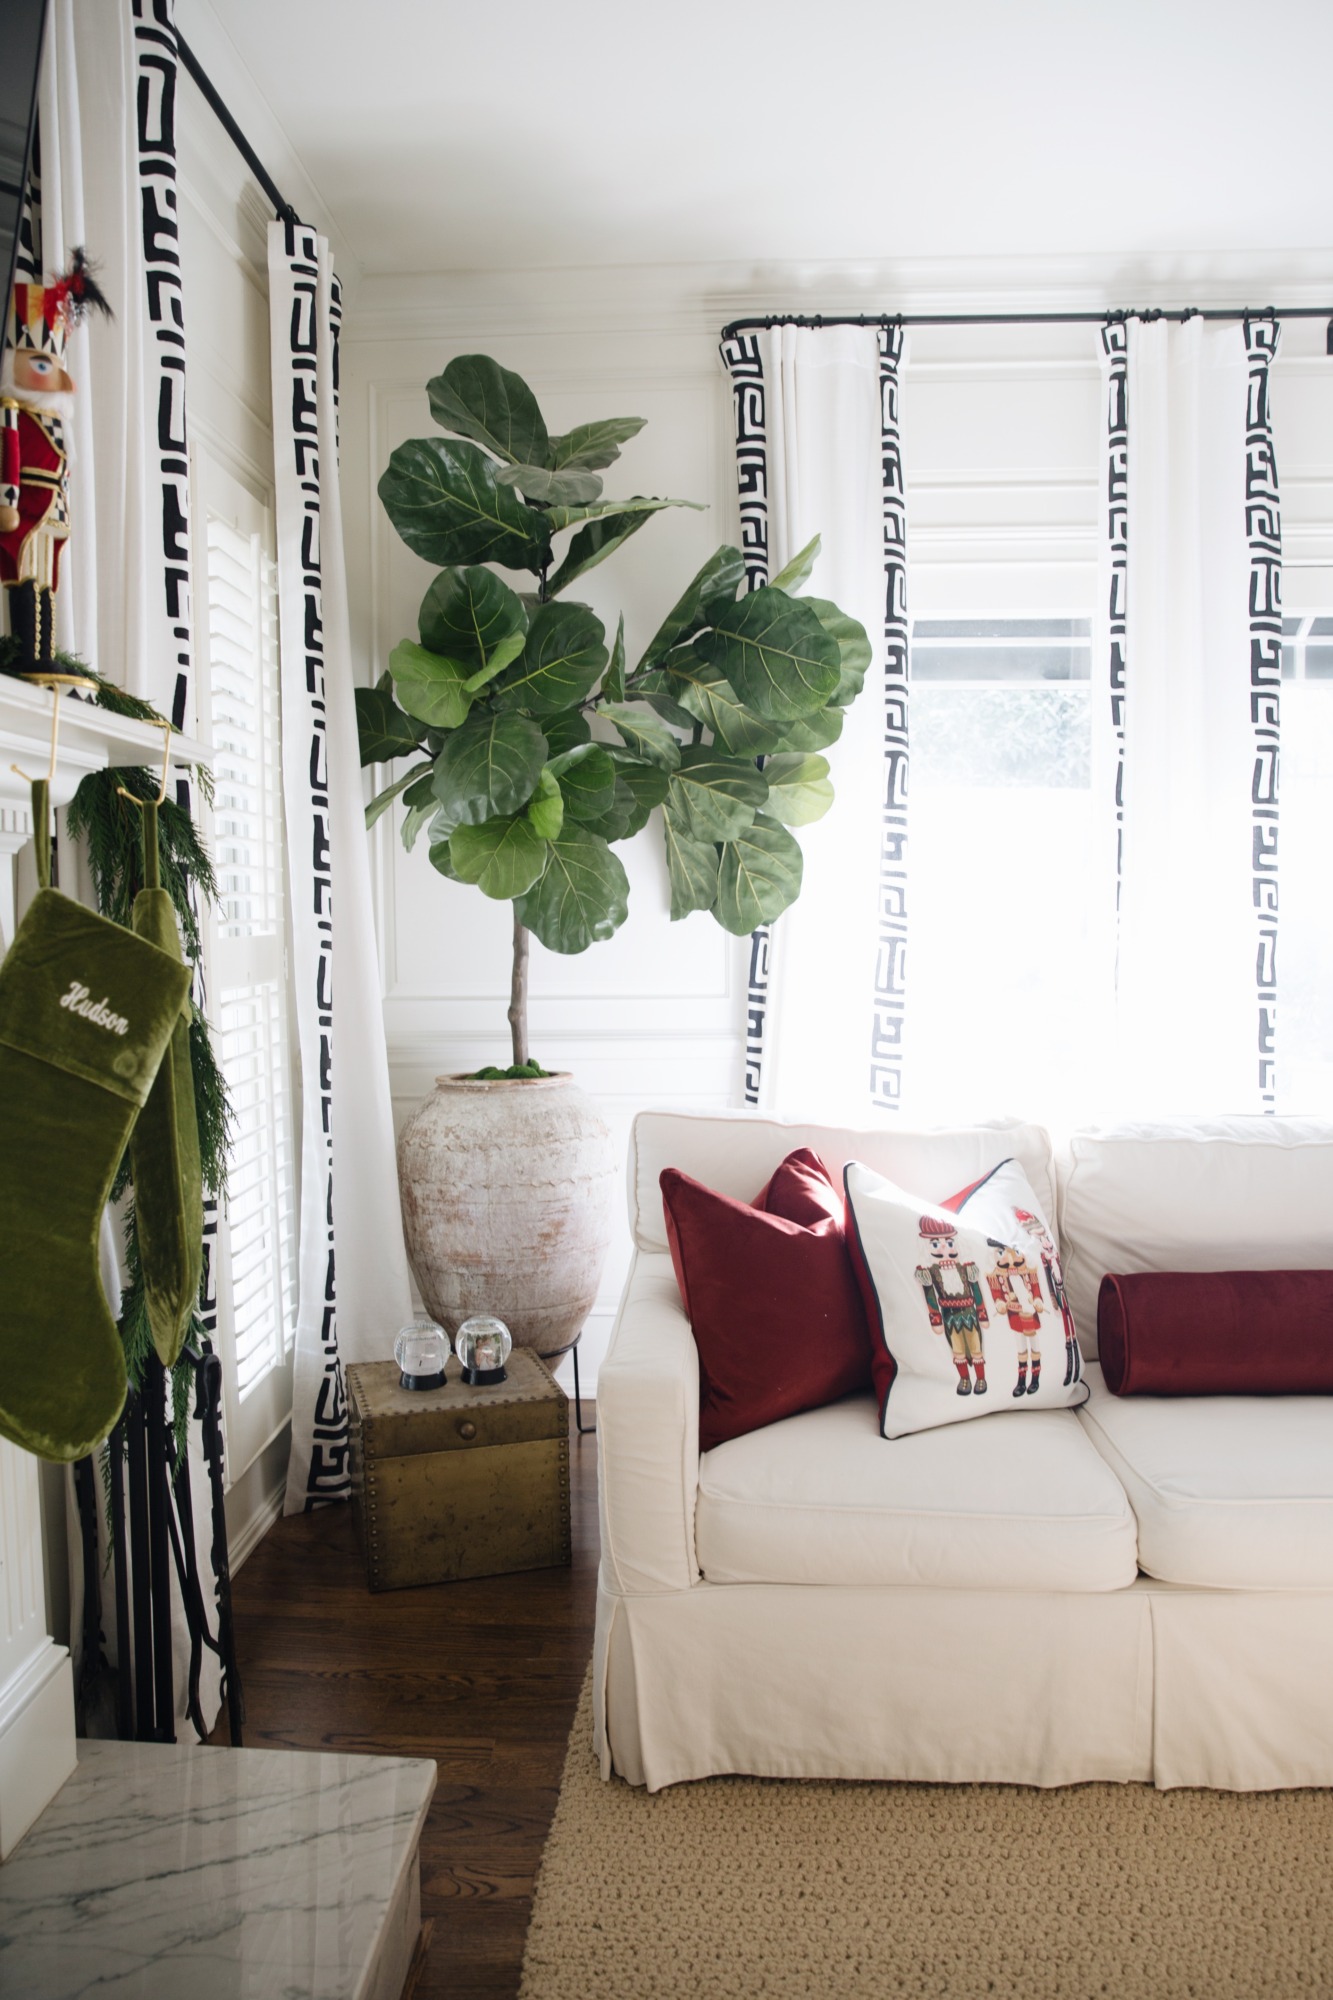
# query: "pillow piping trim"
{"type": "Point", "coordinates": [976, 1186]}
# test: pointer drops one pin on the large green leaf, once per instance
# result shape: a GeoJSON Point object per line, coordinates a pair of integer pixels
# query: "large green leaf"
{"type": "Point", "coordinates": [638, 503]}
{"type": "Point", "coordinates": [709, 697]}
{"type": "Point", "coordinates": [813, 732]}
{"type": "Point", "coordinates": [595, 445]}
{"type": "Point", "coordinates": [381, 802]}
{"type": "Point", "coordinates": [712, 796]}
{"type": "Point", "coordinates": [622, 815]}
{"type": "Point", "coordinates": [553, 489]}
{"type": "Point", "coordinates": [564, 730]}
{"type": "Point", "coordinates": [382, 729]}
{"type": "Point", "coordinates": [644, 733]}
{"type": "Point", "coordinates": [655, 687]}
{"type": "Point", "coordinates": [561, 662]}
{"type": "Point", "coordinates": [489, 767]}
{"type": "Point", "coordinates": [443, 498]}
{"type": "Point", "coordinates": [429, 687]}
{"type": "Point", "coordinates": [546, 807]}
{"type": "Point", "coordinates": [473, 617]}
{"type": "Point", "coordinates": [776, 654]}
{"type": "Point", "coordinates": [503, 856]}
{"type": "Point", "coordinates": [717, 582]}
{"type": "Point", "coordinates": [613, 686]}
{"type": "Point", "coordinates": [582, 897]}
{"type": "Point", "coordinates": [647, 785]}
{"type": "Point", "coordinates": [692, 866]}
{"type": "Point", "coordinates": [587, 778]}
{"type": "Point", "coordinates": [439, 858]}
{"type": "Point", "coordinates": [419, 798]}
{"type": "Point", "coordinates": [798, 788]}
{"type": "Point", "coordinates": [758, 877]}
{"type": "Point", "coordinates": [853, 649]}
{"type": "Point", "coordinates": [797, 571]}
{"type": "Point", "coordinates": [479, 399]}
{"type": "Point", "coordinates": [594, 544]}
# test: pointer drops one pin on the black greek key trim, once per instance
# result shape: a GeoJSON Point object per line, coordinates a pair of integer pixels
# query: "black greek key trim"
{"type": "Point", "coordinates": [1115, 344]}
{"type": "Point", "coordinates": [1263, 530]}
{"type": "Point", "coordinates": [745, 364]}
{"type": "Point", "coordinates": [890, 996]}
{"type": "Point", "coordinates": [296, 432]}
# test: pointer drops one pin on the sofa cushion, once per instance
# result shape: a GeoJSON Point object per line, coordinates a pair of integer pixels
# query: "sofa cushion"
{"type": "Point", "coordinates": [967, 1309]}
{"type": "Point", "coordinates": [1230, 1492]}
{"type": "Point", "coordinates": [1021, 1503]}
{"type": "Point", "coordinates": [1220, 1194]}
{"type": "Point", "coordinates": [736, 1151]}
{"type": "Point", "coordinates": [770, 1295]}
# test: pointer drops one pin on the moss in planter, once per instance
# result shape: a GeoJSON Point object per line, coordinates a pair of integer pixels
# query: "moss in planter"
{"type": "Point", "coordinates": [516, 1073]}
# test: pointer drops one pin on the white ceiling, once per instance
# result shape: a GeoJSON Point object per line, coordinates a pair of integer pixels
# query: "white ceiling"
{"type": "Point", "coordinates": [522, 133]}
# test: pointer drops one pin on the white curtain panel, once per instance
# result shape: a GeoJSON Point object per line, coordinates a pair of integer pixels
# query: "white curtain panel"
{"type": "Point", "coordinates": [821, 423]}
{"type": "Point", "coordinates": [351, 1308]}
{"type": "Point", "coordinates": [107, 137]}
{"type": "Point", "coordinates": [130, 541]}
{"type": "Point", "coordinates": [1188, 1015]}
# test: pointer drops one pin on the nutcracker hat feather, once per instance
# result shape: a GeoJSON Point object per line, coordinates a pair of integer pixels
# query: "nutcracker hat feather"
{"type": "Point", "coordinates": [41, 315]}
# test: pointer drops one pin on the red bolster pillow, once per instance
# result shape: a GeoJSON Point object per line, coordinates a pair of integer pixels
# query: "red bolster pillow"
{"type": "Point", "coordinates": [1217, 1333]}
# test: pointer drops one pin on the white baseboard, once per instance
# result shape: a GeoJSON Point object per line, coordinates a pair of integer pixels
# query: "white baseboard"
{"type": "Point", "coordinates": [37, 1749]}
{"type": "Point", "coordinates": [254, 1499]}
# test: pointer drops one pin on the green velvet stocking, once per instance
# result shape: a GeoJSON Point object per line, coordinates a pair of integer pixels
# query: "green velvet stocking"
{"type": "Point", "coordinates": [87, 1011]}
{"type": "Point", "coordinates": [164, 1148]}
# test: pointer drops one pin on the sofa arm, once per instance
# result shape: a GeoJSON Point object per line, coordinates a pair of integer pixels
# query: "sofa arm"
{"type": "Point", "coordinates": [648, 1436]}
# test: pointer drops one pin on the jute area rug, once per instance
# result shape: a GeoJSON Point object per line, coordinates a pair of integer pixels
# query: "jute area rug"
{"type": "Point", "coordinates": [741, 1886]}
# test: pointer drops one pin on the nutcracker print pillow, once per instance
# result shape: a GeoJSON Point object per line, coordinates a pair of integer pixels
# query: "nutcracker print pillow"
{"type": "Point", "coordinates": [965, 1298]}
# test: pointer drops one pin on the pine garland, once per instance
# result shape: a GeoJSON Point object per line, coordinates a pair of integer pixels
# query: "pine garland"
{"type": "Point", "coordinates": [111, 829]}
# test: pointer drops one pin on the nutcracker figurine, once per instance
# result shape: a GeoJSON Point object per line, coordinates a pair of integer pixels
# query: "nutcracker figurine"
{"type": "Point", "coordinates": [1013, 1277]}
{"type": "Point", "coordinates": [34, 482]}
{"type": "Point", "coordinates": [1055, 1285]}
{"type": "Point", "coordinates": [953, 1298]}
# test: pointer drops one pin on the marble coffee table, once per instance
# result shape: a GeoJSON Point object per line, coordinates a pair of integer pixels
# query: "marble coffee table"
{"type": "Point", "coordinates": [181, 1871]}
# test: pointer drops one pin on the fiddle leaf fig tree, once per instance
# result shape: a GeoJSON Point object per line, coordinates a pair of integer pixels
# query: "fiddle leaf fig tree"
{"type": "Point", "coordinates": [533, 745]}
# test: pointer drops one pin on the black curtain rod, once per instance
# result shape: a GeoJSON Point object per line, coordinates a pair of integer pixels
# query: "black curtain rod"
{"type": "Point", "coordinates": [285, 211]}
{"type": "Point", "coordinates": [1029, 319]}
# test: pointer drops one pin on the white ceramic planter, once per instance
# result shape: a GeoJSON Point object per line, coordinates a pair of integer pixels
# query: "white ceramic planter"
{"type": "Point", "coordinates": [506, 1192]}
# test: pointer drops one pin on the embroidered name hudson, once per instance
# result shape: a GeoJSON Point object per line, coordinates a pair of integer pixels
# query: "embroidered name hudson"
{"type": "Point", "coordinates": [95, 1011]}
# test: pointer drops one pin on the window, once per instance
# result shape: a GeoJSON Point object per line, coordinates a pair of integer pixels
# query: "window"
{"type": "Point", "coordinates": [1305, 842]}
{"type": "Point", "coordinates": [1007, 946]}
{"type": "Point", "coordinates": [247, 957]}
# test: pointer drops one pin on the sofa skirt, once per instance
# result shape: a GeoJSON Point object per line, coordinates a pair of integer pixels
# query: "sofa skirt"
{"type": "Point", "coordinates": [1149, 1684]}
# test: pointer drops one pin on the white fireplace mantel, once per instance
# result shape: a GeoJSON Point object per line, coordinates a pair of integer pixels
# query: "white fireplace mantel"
{"type": "Point", "coordinates": [91, 739]}
{"type": "Point", "coordinates": [36, 1686]}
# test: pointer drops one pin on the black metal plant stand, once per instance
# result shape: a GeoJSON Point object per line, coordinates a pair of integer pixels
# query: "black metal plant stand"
{"type": "Point", "coordinates": [584, 1430]}
{"type": "Point", "coordinates": [152, 1535]}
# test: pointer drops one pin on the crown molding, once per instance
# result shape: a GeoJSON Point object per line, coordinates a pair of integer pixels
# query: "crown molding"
{"type": "Point", "coordinates": [653, 299]}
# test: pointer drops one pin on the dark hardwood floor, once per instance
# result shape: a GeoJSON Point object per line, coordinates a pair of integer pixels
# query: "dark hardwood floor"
{"type": "Point", "coordinates": [482, 1676]}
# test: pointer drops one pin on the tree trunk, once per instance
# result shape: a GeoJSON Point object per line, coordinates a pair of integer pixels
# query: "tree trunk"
{"type": "Point", "coordinates": [518, 993]}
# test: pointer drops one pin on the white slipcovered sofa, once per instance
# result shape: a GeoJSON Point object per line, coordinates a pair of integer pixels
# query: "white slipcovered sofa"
{"type": "Point", "coordinates": [1138, 1590]}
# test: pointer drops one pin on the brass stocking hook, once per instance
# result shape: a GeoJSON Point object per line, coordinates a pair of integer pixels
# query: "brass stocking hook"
{"type": "Point", "coordinates": [133, 797]}
{"type": "Point", "coordinates": [55, 682]}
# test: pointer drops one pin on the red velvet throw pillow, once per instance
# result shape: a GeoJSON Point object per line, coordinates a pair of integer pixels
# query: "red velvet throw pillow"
{"type": "Point", "coordinates": [770, 1295]}
{"type": "Point", "coordinates": [1217, 1333]}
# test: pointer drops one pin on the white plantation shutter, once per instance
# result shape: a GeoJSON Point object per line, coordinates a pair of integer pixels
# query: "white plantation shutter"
{"type": "Point", "coordinates": [247, 959]}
